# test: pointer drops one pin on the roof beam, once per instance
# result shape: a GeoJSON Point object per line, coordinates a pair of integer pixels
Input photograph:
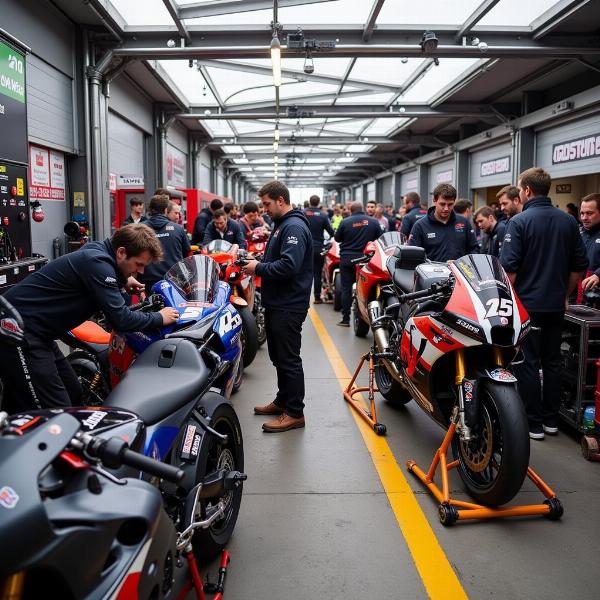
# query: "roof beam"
{"type": "Point", "coordinates": [370, 24]}
{"type": "Point", "coordinates": [174, 12]}
{"type": "Point", "coordinates": [200, 10]}
{"type": "Point", "coordinates": [330, 141]}
{"type": "Point", "coordinates": [475, 17]}
{"type": "Point", "coordinates": [554, 16]}
{"type": "Point", "coordinates": [268, 154]}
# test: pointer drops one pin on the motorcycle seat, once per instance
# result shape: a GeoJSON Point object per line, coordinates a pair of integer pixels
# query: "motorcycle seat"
{"type": "Point", "coordinates": [163, 379]}
{"type": "Point", "coordinates": [401, 265]}
{"type": "Point", "coordinates": [402, 278]}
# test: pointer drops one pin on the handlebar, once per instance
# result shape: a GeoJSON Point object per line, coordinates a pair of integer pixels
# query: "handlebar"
{"type": "Point", "coordinates": [365, 258]}
{"type": "Point", "coordinates": [114, 453]}
{"type": "Point", "coordinates": [151, 304]}
{"type": "Point", "coordinates": [435, 288]}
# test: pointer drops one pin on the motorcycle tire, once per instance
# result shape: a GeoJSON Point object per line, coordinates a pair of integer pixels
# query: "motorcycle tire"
{"type": "Point", "coordinates": [337, 292]}
{"type": "Point", "coordinates": [259, 315]}
{"type": "Point", "coordinates": [389, 388]}
{"type": "Point", "coordinates": [213, 455]}
{"type": "Point", "coordinates": [86, 368]}
{"type": "Point", "coordinates": [238, 378]}
{"type": "Point", "coordinates": [494, 464]}
{"type": "Point", "coordinates": [361, 328]}
{"type": "Point", "coordinates": [249, 335]}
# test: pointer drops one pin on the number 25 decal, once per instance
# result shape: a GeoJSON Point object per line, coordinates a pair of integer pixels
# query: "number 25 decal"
{"type": "Point", "coordinates": [499, 308]}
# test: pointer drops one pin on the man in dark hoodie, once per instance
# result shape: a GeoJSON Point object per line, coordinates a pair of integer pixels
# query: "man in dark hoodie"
{"type": "Point", "coordinates": [203, 219]}
{"type": "Point", "coordinates": [172, 237]}
{"type": "Point", "coordinates": [62, 295]}
{"type": "Point", "coordinates": [286, 273]}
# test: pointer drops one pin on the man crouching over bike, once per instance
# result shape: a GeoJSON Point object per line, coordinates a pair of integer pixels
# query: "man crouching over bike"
{"type": "Point", "coordinates": [62, 295]}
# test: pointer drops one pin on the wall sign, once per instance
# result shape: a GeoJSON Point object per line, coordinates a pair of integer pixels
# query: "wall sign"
{"type": "Point", "coordinates": [495, 167]}
{"type": "Point", "coordinates": [112, 182]}
{"type": "Point", "coordinates": [46, 174]}
{"type": "Point", "coordinates": [411, 184]}
{"type": "Point", "coordinates": [579, 149]}
{"type": "Point", "coordinates": [13, 110]}
{"type": "Point", "coordinates": [563, 188]}
{"type": "Point", "coordinates": [176, 167]}
{"type": "Point", "coordinates": [445, 176]}
{"type": "Point", "coordinates": [130, 181]}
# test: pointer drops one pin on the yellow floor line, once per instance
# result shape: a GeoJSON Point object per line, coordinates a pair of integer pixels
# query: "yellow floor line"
{"type": "Point", "coordinates": [437, 574]}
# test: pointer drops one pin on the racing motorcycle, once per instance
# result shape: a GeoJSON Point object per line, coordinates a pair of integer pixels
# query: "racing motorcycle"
{"type": "Point", "coordinates": [79, 522]}
{"type": "Point", "coordinates": [331, 278]}
{"type": "Point", "coordinates": [447, 342]}
{"type": "Point", "coordinates": [231, 259]}
{"type": "Point", "coordinates": [373, 279]}
{"type": "Point", "coordinates": [257, 244]}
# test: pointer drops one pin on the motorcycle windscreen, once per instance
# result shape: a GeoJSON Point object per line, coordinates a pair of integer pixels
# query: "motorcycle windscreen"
{"type": "Point", "coordinates": [196, 278]}
{"type": "Point", "coordinates": [482, 271]}
{"type": "Point", "coordinates": [219, 247]}
{"type": "Point", "coordinates": [391, 238]}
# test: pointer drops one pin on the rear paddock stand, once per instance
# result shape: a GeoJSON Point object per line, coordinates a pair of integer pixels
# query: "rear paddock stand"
{"type": "Point", "coordinates": [194, 581]}
{"type": "Point", "coordinates": [451, 510]}
{"type": "Point", "coordinates": [369, 414]}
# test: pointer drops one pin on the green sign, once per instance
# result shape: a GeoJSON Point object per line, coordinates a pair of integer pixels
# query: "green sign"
{"type": "Point", "coordinates": [12, 73]}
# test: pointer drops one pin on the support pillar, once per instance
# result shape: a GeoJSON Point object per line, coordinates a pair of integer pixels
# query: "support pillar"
{"type": "Point", "coordinates": [461, 168]}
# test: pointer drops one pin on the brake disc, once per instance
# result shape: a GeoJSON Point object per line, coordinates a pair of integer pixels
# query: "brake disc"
{"type": "Point", "coordinates": [477, 452]}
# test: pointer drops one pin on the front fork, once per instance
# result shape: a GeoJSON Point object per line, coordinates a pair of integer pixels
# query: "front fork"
{"type": "Point", "coordinates": [12, 588]}
{"type": "Point", "coordinates": [463, 429]}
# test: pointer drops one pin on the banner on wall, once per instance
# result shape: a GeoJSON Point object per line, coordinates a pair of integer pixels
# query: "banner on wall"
{"type": "Point", "coordinates": [176, 167]}
{"type": "Point", "coordinates": [46, 174]}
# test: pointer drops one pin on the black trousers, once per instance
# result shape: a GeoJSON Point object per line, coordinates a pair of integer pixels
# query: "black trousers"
{"type": "Point", "coordinates": [284, 338]}
{"type": "Point", "coordinates": [541, 349]}
{"type": "Point", "coordinates": [348, 277]}
{"type": "Point", "coordinates": [37, 375]}
{"type": "Point", "coordinates": [318, 261]}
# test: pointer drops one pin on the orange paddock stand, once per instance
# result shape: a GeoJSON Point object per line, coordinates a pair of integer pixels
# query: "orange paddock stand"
{"type": "Point", "coordinates": [369, 414]}
{"type": "Point", "coordinates": [451, 510]}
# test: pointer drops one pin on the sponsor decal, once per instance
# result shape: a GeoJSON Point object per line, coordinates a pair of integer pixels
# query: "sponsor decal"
{"type": "Point", "coordinates": [468, 386]}
{"type": "Point", "coordinates": [503, 321]}
{"type": "Point", "coordinates": [188, 441]}
{"type": "Point", "coordinates": [494, 167]}
{"type": "Point", "coordinates": [8, 497]}
{"type": "Point", "coordinates": [467, 326]}
{"type": "Point", "coordinates": [460, 227]}
{"type": "Point", "coordinates": [466, 270]}
{"type": "Point", "coordinates": [94, 419]}
{"type": "Point", "coordinates": [110, 280]}
{"type": "Point", "coordinates": [162, 235]}
{"type": "Point", "coordinates": [11, 326]}
{"type": "Point", "coordinates": [507, 239]}
{"type": "Point", "coordinates": [363, 223]}
{"type": "Point", "coordinates": [502, 375]}
{"type": "Point", "coordinates": [195, 445]}
{"type": "Point", "coordinates": [578, 149]}
{"type": "Point", "coordinates": [170, 228]}
{"type": "Point", "coordinates": [292, 240]}
{"type": "Point", "coordinates": [229, 321]}
{"type": "Point", "coordinates": [430, 236]}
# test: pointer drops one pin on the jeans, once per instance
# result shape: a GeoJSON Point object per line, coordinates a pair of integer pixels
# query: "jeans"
{"type": "Point", "coordinates": [37, 375]}
{"type": "Point", "coordinates": [284, 338]}
{"type": "Point", "coordinates": [541, 349]}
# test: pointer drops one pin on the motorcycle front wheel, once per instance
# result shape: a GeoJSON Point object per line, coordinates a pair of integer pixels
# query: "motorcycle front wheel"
{"type": "Point", "coordinates": [493, 465]}
{"type": "Point", "coordinates": [259, 315]}
{"type": "Point", "coordinates": [337, 292]}
{"type": "Point", "coordinates": [249, 336]}
{"type": "Point", "coordinates": [214, 455]}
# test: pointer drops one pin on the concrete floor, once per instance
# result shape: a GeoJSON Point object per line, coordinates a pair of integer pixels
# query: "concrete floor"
{"type": "Point", "coordinates": [315, 519]}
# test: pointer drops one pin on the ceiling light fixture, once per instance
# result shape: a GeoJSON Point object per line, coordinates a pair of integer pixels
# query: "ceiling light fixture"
{"type": "Point", "coordinates": [429, 43]}
{"type": "Point", "coordinates": [277, 134]}
{"type": "Point", "coordinates": [275, 146]}
{"type": "Point", "coordinates": [276, 60]}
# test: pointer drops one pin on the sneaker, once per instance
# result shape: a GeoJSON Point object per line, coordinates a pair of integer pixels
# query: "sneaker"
{"type": "Point", "coordinates": [344, 323]}
{"type": "Point", "coordinates": [536, 431]}
{"type": "Point", "coordinates": [551, 426]}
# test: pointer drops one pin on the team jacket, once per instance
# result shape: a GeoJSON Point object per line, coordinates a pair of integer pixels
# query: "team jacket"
{"type": "Point", "coordinates": [444, 241]}
{"type": "Point", "coordinates": [200, 224]}
{"type": "Point", "coordinates": [287, 267]}
{"type": "Point", "coordinates": [233, 234]}
{"type": "Point", "coordinates": [70, 289]}
{"type": "Point", "coordinates": [318, 223]}
{"type": "Point", "coordinates": [354, 232]}
{"type": "Point", "coordinates": [410, 218]}
{"type": "Point", "coordinates": [542, 245]}
{"type": "Point", "coordinates": [591, 241]}
{"type": "Point", "coordinates": [492, 244]}
{"type": "Point", "coordinates": [175, 245]}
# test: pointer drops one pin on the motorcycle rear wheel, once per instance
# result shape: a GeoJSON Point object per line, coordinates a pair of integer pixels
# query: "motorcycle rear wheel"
{"type": "Point", "coordinates": [337, 292]}
{"type": "Point", "coordinates": [250, 336]}
{"type": "Point", "coordinates": [213, 455]}
{"type": "Point", "coordinates": [361, 328]}
{"type": "Point", "coordinates": [259, 315]}
{"type": "Point", "coordinates": [389, 388]}
{"type": "Point", "coordinates": [86, 368]}
{"type": "Point", "coordinates": [493, 466]}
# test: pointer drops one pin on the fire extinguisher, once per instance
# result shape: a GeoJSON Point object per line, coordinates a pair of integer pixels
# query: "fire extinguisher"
{"type": "Point", "coordinates": [37, 212]}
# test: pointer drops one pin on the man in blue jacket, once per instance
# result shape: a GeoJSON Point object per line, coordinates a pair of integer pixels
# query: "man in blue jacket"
{"type": "Point", "coordinates": [63, 295]}
{"type": "Point", "coordinates": [444, 234]}
{"type": "Point", "coordinates": [286, 272]}
{"type": "Point", "coordinates": [203, 219]}
{"type": "Point", "coordinates": [224, 228]}
{"type": "Point", "coordinates": [353, 234]}
{"type": "Point", "coordinates": [318, 221]}
{"type": "Point", "coordinates": [414, 212]}
{"type": "Point", "coordinates": [493, 231]}
{"type": "Point", "coordinates": [172, 237]}
{"type": "Point", "coordinates": [544, 257]}
{"type": "Point", "coordinates": [590, 234]}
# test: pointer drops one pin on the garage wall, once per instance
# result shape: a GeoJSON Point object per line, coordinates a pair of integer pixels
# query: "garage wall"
{"type": "Point", "coordinates": [203, 170]}
{"type": "Point", "coordinates": [387, 190]}
{"type": "Point", "coordinates": [130, 103]}
{"type": "Point", "coordinates": [409, 182]}
{"type": "Point", "coordinates": [488, 167]}
{"type": "Point", "coordinates": [442, 172]}
{"type": "Point", "coordinates": [125, 147]}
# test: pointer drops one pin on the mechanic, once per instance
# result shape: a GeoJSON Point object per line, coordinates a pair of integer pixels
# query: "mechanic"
{"type": "Point", "coordinates": [464, 208]}
{"type": "Point", "coordinates": [136, 214]}
{"type": "Point", "coordinates": [172, 237]}
{"type": "Point", "coordinates": [444, 234]}
{"type": "Point", "coordinates": [590, 234]}
{"type": "Point", "coordinates": [544, 257]}
{"type": "Point", "coordinates": [414, 212]}
{"type": "Point", "coordinates": [510, 201]}
{"type": "Point", "coordinates": [286, 273]}
{"type": "Point", "coordinates": [353, 234]}
{"type": "Point", "coordinates": [318, 223]}
{"type": "Point", "coordinates": [251, 219]}
{"type": "Point", "coordinates": [223, 228]}
{"type": "Point", "coordinates": [203, 220]}
{"type": "Point", "coordinates": [485, 219]}
{"type": "Point", "coordinates": [173, 211]}
{"type": "Point", "coordinates": [61, 296]}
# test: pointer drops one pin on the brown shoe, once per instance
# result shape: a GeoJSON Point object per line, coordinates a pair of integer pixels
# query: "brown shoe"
{"type": "Point", "coordinates": [283, 423]}
{"type": "Point", "coordinates": [269, 409]}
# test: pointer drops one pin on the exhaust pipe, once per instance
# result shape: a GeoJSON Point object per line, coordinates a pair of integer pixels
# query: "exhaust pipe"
{"type": "Point", "coordinates": [382, 338]}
